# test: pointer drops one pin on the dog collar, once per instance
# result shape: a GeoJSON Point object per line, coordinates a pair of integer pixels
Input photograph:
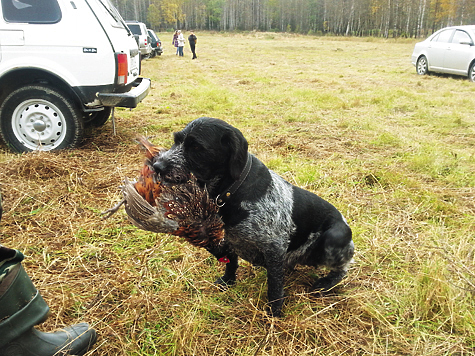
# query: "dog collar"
{"type": "Point", "coordinates": [222, 198]}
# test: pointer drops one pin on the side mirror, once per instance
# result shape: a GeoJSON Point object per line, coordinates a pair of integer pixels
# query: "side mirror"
{"type": "Point", "coordinates": [470, 43]}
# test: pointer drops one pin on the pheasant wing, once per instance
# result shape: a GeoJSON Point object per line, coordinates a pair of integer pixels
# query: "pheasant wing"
{"type": "Point", "coordinates": [142, 214]}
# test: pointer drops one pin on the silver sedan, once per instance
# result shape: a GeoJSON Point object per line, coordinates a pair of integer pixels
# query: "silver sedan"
{"type": "Point", "coordinates": [450, 50]}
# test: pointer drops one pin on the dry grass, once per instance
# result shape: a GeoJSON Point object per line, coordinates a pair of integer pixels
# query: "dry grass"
{"type": "Point", "coordinates": [348, 119]}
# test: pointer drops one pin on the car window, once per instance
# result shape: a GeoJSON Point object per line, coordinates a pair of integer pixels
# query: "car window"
{"type": "Point", "coordinates": [136, 30]}
{"type": "Point", "coordinates": [444, 36]}
{"type": "Point", "coordinates": [31, 11]}
{"type": "Point", "coordinates": [461, 36]}
{"type": "Point", "coordinates": [153, 35]}
{"type": "Point", "coordinates": [117, 20]}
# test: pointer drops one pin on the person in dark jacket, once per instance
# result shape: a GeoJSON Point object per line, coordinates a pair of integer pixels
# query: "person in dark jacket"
{"type": "Point", "coordinates": [192, 41]}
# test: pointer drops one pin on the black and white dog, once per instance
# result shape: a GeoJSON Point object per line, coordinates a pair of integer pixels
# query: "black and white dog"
{"type": "Point", "coordinates": [267, 221]}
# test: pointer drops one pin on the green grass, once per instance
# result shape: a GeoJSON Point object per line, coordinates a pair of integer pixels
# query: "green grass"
{"type": "Point", "coordinates": [347, 118]}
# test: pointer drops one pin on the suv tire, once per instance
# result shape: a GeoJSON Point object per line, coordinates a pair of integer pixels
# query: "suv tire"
{"type": "Point", "coordinates": [40, 117]}
{"type": "Point", "coordinates": [98, 118]}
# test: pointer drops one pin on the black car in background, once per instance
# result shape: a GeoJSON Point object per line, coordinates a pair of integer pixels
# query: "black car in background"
{"type": "Point", "coordinates": [157, 48]}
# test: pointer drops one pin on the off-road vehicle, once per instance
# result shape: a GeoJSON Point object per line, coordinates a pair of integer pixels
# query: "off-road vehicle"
{"type": "Point", "coordinates": [63, 64]}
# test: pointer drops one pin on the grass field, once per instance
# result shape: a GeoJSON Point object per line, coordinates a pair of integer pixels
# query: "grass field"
{"type": "Point", "coordinates": [346, 118]}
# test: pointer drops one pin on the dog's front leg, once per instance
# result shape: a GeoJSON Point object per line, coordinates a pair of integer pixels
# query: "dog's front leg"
{"type": "Point", "coordinates": [229, 277]}
{"type": "Point", "coordinates": [275, 285]}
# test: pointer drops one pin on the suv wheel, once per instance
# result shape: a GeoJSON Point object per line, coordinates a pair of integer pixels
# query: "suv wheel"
{"type": "Point", "coordinates": [98, 118]}
{"type": "Point", "coordinates": [40, 117]}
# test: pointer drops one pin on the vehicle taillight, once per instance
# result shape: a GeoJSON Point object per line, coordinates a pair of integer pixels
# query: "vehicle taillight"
{"type": "Point", "coordinates": [122, 68]}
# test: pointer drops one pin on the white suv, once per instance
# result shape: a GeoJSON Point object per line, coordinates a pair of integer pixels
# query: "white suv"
{"type": "Point", "coordinates": [63, 64]}
{"type": "Point", "coordinates": [140, 31]}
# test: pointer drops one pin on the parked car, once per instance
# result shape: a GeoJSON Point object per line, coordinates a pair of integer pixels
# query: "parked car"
{"type": "Point", "coordinates": [140, 30]}
{"type": "Point", "coordinates": [157, 48]}
{"type": "Point", "coordinates": [450, 50]}
{"type": "Point", "coordinates": [63, 65]}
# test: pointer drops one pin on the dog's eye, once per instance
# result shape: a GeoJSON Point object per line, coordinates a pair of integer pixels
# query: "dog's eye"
{"type": "Point", "coordinates": [194, 146]}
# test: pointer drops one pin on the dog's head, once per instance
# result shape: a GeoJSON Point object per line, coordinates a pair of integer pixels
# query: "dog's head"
{"type": "Point", "coordinates": [209, 148]}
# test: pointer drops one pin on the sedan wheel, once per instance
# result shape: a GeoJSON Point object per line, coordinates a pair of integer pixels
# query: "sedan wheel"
{"type": "Point", "coordinates": [471, 73]}
{"type": "Point", "coordinates": [421, 66]}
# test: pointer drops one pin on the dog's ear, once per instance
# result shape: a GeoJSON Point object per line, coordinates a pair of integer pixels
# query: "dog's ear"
{"type": "Point", "coordinates": [236, 144]}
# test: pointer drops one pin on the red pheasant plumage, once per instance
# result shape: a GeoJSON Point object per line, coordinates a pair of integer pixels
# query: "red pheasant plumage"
{"type": "Point", "coordinates": [184, 209]}
{"type": "Point", "coordinates": [148, 184]}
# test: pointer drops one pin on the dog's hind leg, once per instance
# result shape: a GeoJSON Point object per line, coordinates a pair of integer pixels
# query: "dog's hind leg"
{"type": "Point", "coordinates": [338, 253]}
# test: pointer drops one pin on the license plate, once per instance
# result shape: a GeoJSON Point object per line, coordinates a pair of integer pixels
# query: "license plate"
{"type": "Point", "coordinates": [134, 62]}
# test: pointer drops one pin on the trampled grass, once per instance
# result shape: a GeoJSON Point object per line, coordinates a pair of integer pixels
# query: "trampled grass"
{"type": "Point", "coordinates": [346, 118]}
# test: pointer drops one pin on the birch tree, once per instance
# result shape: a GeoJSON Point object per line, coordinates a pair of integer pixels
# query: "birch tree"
{"type": "Point", "coordinates": [411, 18]}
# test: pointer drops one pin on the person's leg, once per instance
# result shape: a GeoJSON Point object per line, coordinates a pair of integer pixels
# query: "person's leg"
{"type": "Point", "coordinates": [22, 307]}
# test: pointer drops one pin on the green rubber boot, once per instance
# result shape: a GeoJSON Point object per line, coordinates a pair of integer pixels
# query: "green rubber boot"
{"type": "Point", "coordinates": [22, 307]}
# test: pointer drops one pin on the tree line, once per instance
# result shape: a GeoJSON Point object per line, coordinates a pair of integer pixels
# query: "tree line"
{"type": "Point", "coordinates": [381, 18]}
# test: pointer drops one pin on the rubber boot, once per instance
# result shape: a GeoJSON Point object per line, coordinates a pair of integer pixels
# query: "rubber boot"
{"type": "Point", "coordinates": [22, 307]}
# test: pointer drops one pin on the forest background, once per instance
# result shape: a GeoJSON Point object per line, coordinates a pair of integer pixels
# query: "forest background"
{"type": "Point", "coordinates": [379, 18]}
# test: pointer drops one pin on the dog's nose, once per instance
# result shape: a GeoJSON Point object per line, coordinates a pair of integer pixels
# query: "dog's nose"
{"type": "Point", "coordinates": [160, 166]}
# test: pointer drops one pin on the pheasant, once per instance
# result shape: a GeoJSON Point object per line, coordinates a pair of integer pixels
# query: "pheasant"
{"type": "Point", "coordinates": [181, 209]}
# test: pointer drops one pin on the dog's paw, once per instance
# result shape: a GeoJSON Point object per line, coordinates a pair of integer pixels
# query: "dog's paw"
{"type": "Point", "coordinates": [326, 285]}
{"type": "Point", "coordinates": [274, 312]}
{"type": "Point", "coordinates": [323, 285]}
{"type": "Point", "coordinates": [223, 284]}
{"type": "Point", "coordinates": [274, 309]}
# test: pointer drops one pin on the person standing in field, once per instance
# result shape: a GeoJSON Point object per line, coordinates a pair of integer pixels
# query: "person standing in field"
{"type": "Point", "coordinates": [175, 41]}
{"type": "Point", "coordinates": [192, 39]}
{"type": "Point", "coordinates": [181, 43]}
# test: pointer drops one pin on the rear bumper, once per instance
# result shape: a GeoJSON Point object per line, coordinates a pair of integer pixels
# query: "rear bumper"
{"type": "Point", "coordinates": [145, 51]}
{"type": "Point", "coordinates": [130, 99]}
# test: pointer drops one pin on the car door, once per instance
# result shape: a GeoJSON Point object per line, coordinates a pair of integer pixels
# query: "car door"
{"type": "Point", "coordinates": [437, 49]}
{"type": "Point", "coordinates": [459, 54]}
